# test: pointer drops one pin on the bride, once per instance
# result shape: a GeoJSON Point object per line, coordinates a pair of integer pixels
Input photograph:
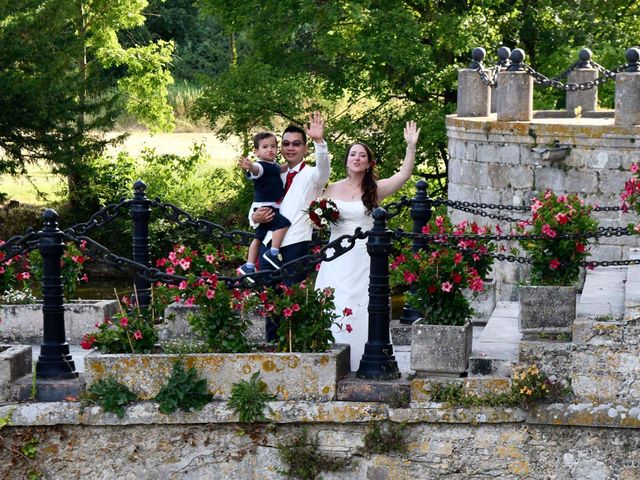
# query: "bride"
{"type": "Point", "coordinates": [356, 197]}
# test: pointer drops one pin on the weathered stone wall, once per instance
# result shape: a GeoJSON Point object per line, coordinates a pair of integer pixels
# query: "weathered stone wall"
{"type": "Point", "coordinates": [492, 162]}
{"type": "Point", "coordinates": [557, 442]}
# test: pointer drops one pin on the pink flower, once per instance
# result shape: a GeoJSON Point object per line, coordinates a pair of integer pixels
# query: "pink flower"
{"type": "Point", "coordinates": [536, 205]}
{"type": "Point", "coordinates": [137, 335]}
{"type": "Point", "coordinates": [410, 277]}
{"type": "Point", "coordinates": [477, 285]}
{"type": "Point", "coordinates": [170, 271]}
{"type": "Point", "coordinates": [439, 220]}
{"type": "Point", "coordinates": [209, 258]}
{"type": "Point", "coordinates": [210, 293]}
{"type": "Point", "coordinates": [347, 312]}
{"type": "Point", "coordinates": [317, 267]}
{"type": "Point", "coordinates": [180, 249]}
{"type": "Point", "coordinates": [548, 231]}
{"type": "Point", "coordinates": [184, 264]}
{"type": "Point", "coordinates": [426, 229]}
{"type": "Point", "coordinates": [457, 258]}
{"type": "Point", "coordinates": [287, 312]}
{"type": "Point", "coordinates": [83, 244]}
{"type": "Point", "coordinates": [295, 307]}
{"type": "Point", "coordinates": [189, 301]}
{"type": "Point", "coordinates": [183, 285]}
{"type": "Point", "coordinates": [562, 198]}
{"type": "Point", "coordinates": [349, 328]}
{"type": "Point", "coordinates": [447, 286]}
{"type": "Point", "coordinates": [124, 321]}
{"type": "Point", "coordinates": [634, 167]}
{"type": "Point", "coordinates": [554, 264]}
{"type": "Point", "coordinates": [562, 218]}
{"type": "Point", "coordinates": [84, 278]}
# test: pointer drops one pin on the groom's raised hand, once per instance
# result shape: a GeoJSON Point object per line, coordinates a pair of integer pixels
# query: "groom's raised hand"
{"type": "Point", "coordinates": [315, 129]}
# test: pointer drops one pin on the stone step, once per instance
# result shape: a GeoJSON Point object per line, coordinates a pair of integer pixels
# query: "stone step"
{"type": "Point", "coordinates": [496, 349]}
{"type": "Point", "coordinates": [603, 294]}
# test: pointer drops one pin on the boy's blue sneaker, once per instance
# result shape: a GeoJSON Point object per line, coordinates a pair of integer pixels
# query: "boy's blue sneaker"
{"type": "Point", "coordinates": [275, 260]}
{"type": "Point", "coordinates": [245, 270]}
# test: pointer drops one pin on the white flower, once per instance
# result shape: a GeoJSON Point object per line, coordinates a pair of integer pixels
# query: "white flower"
{"type": "Point", "coordinates": [318, 211]}
{"type": "Point", "coordinates": [323, 221]}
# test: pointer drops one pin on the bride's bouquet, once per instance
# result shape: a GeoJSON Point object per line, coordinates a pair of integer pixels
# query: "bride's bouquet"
{"type": "Point", "coordinates": [322, 213]}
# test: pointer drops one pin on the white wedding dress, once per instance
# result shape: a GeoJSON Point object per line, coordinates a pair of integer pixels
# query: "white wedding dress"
{"type": "Point", "coordinates": [349, 276]}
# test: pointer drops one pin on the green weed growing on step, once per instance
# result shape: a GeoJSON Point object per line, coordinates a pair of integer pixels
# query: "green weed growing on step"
{"type": "Point", "coordinates": [183, 390]}
{"type": "Point", "coordinates": [249, 399]}
{"type": "Point", "coordinates": [304, 459]}
{"type": "Point", "coordinates": [385, 438]}
{"type": "Point", "coordinates": [111, 395]}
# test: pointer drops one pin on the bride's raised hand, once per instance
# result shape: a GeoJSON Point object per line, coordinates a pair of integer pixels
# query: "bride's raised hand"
{"type": "Point", "coordinates": [411, 133]}
{"type": "Point", "coordinates": [315, 129]}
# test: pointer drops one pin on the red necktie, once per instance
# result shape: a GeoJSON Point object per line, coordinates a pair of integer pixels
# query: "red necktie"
{"type": "Point", "coordinates": [289, 180]}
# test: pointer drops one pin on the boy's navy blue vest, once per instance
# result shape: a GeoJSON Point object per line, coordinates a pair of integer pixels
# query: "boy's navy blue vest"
{"type": "Point", "coordinates": [268, 188]}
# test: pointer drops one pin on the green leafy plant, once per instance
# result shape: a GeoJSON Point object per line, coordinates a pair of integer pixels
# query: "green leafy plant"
{"type": "Point", "coordinates": [14, 273]}
{"type": "Point", "coordinates": [30, 448]}
{"type": "Point", "coordinates": [6, 420]}
{"type": "Point", "coordinates": [132, 330]}
{"type": "Point", "coordinates": [305, 316]}
{"type": "Point", "coordinates": [72, 267]}
{"type": "Point", "coordinates": [556, 261]}
{"type": "Point", "coordinates": [111, 395]}
{"type": "Point", "coordinates": [249, 399]}
{"type": "Point", "coordinates": [440, 273]}
{"type": "Point", "coordinates": [183, 390]}
{"type": "Point", "coordinates": [304, 459]}
{"type": "Point", "coordinates": [385, 438]}
{"type": "Point", "coordinates": [217, 316]}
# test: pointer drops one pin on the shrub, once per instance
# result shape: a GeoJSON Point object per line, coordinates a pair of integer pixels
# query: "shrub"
{"type": "Point", "coordinates": [249, 399]}
{"type": "Point", "coordinates": [111, 395]}
{"type": "Point", "coordinates": [183, 390]}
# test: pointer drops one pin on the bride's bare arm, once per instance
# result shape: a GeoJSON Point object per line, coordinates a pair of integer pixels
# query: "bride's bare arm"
{"type": "Point", "coordinates": [390, 185]}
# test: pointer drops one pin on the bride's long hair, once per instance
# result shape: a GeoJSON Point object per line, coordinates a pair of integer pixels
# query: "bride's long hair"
{"type": "Point", "coordinates": [369, 186]}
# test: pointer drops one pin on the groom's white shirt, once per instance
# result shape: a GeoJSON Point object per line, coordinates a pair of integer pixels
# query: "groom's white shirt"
{"type": "Point", "coordinates": [306, 186]}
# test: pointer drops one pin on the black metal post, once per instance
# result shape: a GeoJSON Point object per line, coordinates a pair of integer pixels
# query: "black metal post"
{"type": "Point", "coordinates": [140, 214]}
{"type": "Point", "coordinates": [420, 214]}
{"type": "Point", "coordinates": [378, 361]}
{"type": "Point", "coordinates": [54, 360]}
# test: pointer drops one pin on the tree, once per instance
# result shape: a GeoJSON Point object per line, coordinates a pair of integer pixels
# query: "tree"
{"type": "Point", "coordinates": [374, 64]}
{"type": "Point", "coordinates": [65, 78]}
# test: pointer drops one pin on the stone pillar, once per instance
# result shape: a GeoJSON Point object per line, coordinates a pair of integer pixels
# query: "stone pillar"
{"type": "Point", "coordinates": [474, 96]}
{"type": "Point", "coordinates": [585, 100]}
{"type": "Point", "coordinates": [628, 91]}
{"type": "Point", "coordinates": [503, 55]}
{"type": "Point", "coordinates": [474, 89]}
{"type": "Point", "coordinates": [515, 91]}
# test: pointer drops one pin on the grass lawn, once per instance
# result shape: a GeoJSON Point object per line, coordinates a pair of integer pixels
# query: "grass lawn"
{"type": "Point", "coordinates": [25, 188]}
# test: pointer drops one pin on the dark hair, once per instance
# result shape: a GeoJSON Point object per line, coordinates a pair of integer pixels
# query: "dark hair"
{"type": "Point", "coordinates": [369, 186]}
{"type": "Point", "coordinates": [295, 129]}
{"type": "Point", "coordinates": [261, 136]}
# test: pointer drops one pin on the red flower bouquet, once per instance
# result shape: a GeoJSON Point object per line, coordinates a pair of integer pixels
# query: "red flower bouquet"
{"type": "Point", "coordinates": [322, 213]}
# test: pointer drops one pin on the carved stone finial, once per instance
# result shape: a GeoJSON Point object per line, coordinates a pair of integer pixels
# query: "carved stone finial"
{"type": "Point", "coordinates": [633, 55]}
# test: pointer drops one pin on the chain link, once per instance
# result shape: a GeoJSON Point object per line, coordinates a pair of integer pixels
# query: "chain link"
{"type": "Point", "coordinates": [19, 245]}
{"type": "Point", "coordinates": [394, 209]}
{"type": "Point", "coordinates": [102, 217]}
{"type": "Point", "coordinates": [605, 76]}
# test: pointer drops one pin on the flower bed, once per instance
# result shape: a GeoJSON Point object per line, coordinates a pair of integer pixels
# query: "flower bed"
{"type": "Point", "coordinates": [291, 376]}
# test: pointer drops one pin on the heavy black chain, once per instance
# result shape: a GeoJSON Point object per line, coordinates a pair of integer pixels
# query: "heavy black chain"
{"type": "Point", "coordinates": [102, 217]}
{"type": "Point", "coordinates": [19, 245]}
{"type": "Point", "coordinates": [541, 79]}
{"type": "Point", "coordinates": [182, 218]}
{"type": "Point", "coordinates": [394, 209]}
{"type": "Point", "coordinates": [480, 209]}
{"type": "Point", "coordinates": [488, 77]}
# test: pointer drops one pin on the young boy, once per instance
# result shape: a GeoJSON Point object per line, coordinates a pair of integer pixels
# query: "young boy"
{"type": "Point", "coordinates": [268, 192]}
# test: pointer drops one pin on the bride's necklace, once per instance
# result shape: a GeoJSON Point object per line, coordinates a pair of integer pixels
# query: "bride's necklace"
{"type": "Point", "coordinates": [355, 189]}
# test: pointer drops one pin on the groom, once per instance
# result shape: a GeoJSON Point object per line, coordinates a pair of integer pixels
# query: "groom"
{"type": "Point", "coordinates": [303, 183]}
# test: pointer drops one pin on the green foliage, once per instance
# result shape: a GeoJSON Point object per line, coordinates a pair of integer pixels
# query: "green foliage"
{"type": "Point", "coordinates": [304, 459]}
{"type": "Point", "coordinates": [556, 261]}
{"type": "Point", "coordinates": [183, 390]}
{"type": "Point", "coordinates": [111, 395]}
{"type": "Point", "coordinates": [6, 420]}
{"type": "Point", "coordinates": [528, 387]}
{"type": "Point", "coordinates": [66, 76]}
{"type": "Point", "coordinates": [72, 267]}
{"type": "Point", "coordinates": [249, 399]}
{"type": "Point", "coordinates": [129, 331]}
{"type": "Point", "coordinates": [305, 316]}
{"type": "Point", "coordinates": [386, 439]}
{"type": "Point", "coordinates": [30, 448]}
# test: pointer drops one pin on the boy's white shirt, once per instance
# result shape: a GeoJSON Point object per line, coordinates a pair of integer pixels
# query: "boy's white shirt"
{"type": "Point", "coordinates": [307, 185]}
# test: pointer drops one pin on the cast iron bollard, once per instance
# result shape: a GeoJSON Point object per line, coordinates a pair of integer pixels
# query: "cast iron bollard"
{"type": "Point", "coordinates": [420, 214]}
{"type": "Point", "coordinates": [140, 214]}
{"type": "Point", "coordinates": [54, 360]}
{"type": "Point", "coordinates": [378, 361]}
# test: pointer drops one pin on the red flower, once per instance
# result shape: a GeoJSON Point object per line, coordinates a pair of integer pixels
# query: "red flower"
{"type": "Point", "coordinates": [349, 328]}
{"type": "Point", "coordinates": [553, 264]}
{"type": "Point", "coordinates": [137, 335]}
{"type": "Point", "coordinates": [347, 312]}
{"type": "Point", "coordinates": [580, 248]}
{"type": "Point", "coordinates": [87, 341]}
{"type": "Point", "coordinates": [124, 321]}
{"type": "Point", "coordinates": [431, 289]}
{"type": "Point", "coordinates": [457, 278]}
{"type": "Point", "coordinates": [295, 307]}
{"type": "Point", "coordinates": [287, 312]}
{"type": "Point", "coordinates": [410, 277]}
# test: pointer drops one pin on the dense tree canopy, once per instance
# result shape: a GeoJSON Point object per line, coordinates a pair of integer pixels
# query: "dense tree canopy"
{"type": "Point", "coordinates": [374, 64]}
{"type": "Point", "coordinates": [65, 77]}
